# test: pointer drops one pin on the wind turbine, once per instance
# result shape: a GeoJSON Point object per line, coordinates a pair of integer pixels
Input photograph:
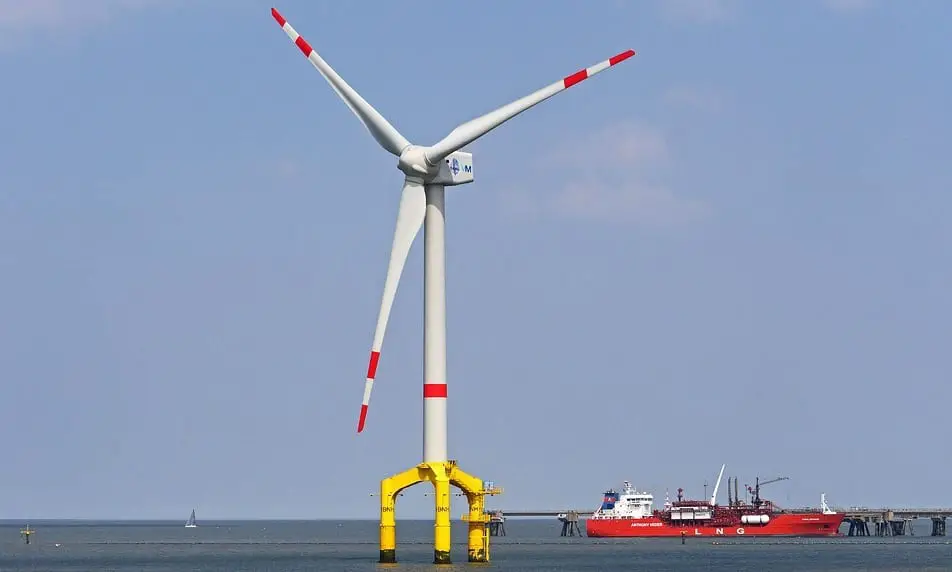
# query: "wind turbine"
{"type": "Point", "coordinates": [427, 171]}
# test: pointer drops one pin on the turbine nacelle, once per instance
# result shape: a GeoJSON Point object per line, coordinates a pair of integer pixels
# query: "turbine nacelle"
{"type": "Point", "coordinates": [455, 169]}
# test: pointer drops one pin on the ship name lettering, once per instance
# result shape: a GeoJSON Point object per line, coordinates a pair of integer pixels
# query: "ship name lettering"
{"type": "Point", "coordinates": [740, 531]}
{"type": "Point", "coordinates": [697, 532]}
{"type": "Point", "coordinates": [718, 531]}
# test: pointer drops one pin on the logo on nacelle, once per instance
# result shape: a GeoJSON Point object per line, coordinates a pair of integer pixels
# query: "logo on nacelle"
{"type": "Point", "coordinates": [454, 166]}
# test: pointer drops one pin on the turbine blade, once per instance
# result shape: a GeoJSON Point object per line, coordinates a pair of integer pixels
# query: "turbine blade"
{"type": "Point", "coordinates": [409, 220]}
{"type": "Point", "coordinates": [385, 134]}
{"type": "Point", "coordinates": [476, 128]}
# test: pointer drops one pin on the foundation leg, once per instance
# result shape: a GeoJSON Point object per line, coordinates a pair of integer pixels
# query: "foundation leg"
{"type": "Point", "coordinates": [441, 529]}
{"type": "Point", "coordinates": [389, 489]}
{"type": "Point", "coordinates": [478, 535]}
{"type": "Point", "coordinates": [478, 544]}
{"type": "Point", "coordinates": [388, 523]}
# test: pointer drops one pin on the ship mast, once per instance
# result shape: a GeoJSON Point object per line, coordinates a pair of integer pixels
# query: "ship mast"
{"type": "Point", "coordinates": [756, 490]}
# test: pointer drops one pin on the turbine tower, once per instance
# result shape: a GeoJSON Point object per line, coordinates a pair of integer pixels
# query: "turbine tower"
{"type": "Point", "coordinates": [427, 171]}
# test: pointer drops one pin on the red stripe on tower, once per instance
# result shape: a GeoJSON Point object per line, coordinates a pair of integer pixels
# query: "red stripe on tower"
{"type": "Point", "coordinates": [372, 368]}
{"type": "Point", "coordinates": [431, 390]}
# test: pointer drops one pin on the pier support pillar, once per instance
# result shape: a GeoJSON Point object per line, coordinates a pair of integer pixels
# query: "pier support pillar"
{"type": "Point", "coordinates": [497, 524]}
{"type": "Point", "coordinates": [938, 526]}
{"type": "Point", "coordinates": [882, 528]}
{"type": "Point", "coordinates": [570, 524]}
{"type": "Point", "coordinates": [897, 527]}
{"type": "Point", "coordinates": [858, 527]}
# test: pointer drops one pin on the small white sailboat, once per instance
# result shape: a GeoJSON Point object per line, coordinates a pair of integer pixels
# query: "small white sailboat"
{"type": "Point", "coordinates": [190, 523]}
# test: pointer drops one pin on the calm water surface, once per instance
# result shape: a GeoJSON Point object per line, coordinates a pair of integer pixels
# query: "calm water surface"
{"type": "Point", "coordinates": [531, 545]}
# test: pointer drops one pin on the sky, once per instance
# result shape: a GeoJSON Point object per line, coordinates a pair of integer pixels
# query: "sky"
{"type": "Point", "coordinates": [731, 248]}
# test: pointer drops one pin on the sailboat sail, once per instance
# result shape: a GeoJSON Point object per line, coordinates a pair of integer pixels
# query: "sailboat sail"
{"type": "Point", "coordinates": [190, 523]}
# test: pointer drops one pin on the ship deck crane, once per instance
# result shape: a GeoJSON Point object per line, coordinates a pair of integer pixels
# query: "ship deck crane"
{"type": "Point", "coordinates": [755, 490]}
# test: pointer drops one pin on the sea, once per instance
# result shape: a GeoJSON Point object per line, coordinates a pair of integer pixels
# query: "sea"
{"type": "Point", "coordinates": [351, 545]}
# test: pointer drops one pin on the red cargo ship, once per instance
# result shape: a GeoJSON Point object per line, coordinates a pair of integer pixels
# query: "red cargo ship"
{"type": "Point", "coordinates": [629, 514]}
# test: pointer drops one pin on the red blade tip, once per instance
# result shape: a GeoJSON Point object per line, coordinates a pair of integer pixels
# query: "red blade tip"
{"type": "Point", "coordinates": [363, 418]}
{"type": "Point", "coordinates": [621, 57]}
{"type": "Point", "coordinates": [278, 17]}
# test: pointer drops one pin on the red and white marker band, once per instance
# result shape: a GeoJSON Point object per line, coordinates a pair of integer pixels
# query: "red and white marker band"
{"type": "Point", "coordinates": [588, 72]}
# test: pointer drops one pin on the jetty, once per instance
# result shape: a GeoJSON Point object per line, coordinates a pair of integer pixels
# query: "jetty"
{"type": "Point", "coordinates": [893, 521]}
{"type": "Point", "coordinates": [861, 521]}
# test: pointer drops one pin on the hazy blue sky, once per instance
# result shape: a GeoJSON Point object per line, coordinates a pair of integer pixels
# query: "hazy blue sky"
{"type": "Point", "coordinates": [733, 248]}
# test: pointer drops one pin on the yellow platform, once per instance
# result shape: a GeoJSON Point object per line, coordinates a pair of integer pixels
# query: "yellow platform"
{"type": "Point", "coordinates": [441, 475]}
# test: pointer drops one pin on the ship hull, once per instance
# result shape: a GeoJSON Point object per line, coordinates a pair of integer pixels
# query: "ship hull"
{"type": "Point", "coordinates": [795, 525]}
